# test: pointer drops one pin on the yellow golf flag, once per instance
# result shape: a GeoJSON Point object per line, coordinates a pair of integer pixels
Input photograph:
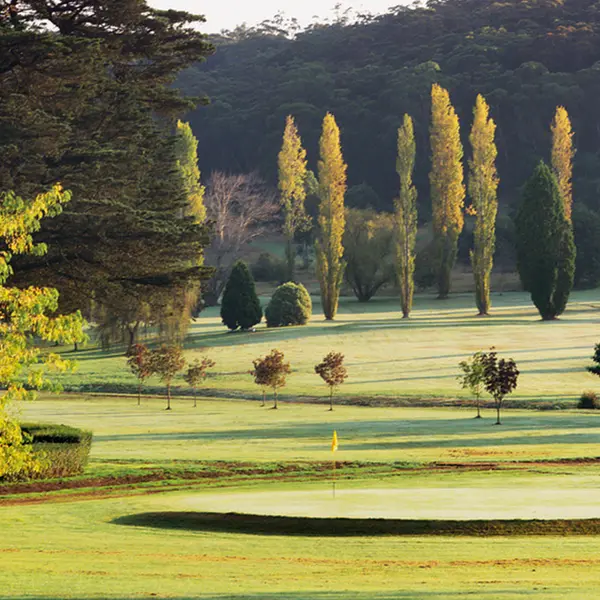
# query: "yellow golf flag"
{"type": "Point", "coordinates": [334, 442]}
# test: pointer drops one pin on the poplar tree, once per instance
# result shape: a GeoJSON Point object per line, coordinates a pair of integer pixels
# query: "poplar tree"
{"type": "Point", "coordinates": [292, 176]}
{"type": "Point", "coordinates": [483, 187]}
{"type": "Point", "coordinates": [447, 187]}
{"type": "Point", "coordinates": [187, 165]}
{"type": "Point", "coordinates": [562, 157]}
{"type": "Point", "coordinates": [406, 214]}
{"type": "Point", "coordinates": [332, 188]}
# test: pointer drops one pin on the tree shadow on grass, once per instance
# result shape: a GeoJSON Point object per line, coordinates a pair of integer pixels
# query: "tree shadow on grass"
{"type": "Point", "coordinates": [346, 527]}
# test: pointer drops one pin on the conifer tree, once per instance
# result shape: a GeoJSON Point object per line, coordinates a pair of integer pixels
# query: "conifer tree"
{"type": "Point", "coordinates": [562, 157]}
{"type": "Point", "coordinates": [483, 186]}
{"type": "Point", "coordinates": [240, 306]}
{"type": "Point", "coordinates": [292, 176]}
{"type": "Point", "coordinates": [332, 188]}
{"type": "Point", "coordinates": [406, 214]}
{"type": "Point", "coordinates": [447, 187]}
{"type": "Point", "coordinates": [187, 164]}
{"type": "Point", "coordinates": [545, 247]}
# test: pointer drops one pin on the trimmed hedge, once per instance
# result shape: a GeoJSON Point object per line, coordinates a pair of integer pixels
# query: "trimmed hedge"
{"type": "Point", "coordinates": [290, 305]}
{"type": "Point", "coordinates": [66, 449]}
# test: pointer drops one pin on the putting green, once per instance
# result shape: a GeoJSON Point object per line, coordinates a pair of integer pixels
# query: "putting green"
{"type": "Point", "coordinates": [456, 503]}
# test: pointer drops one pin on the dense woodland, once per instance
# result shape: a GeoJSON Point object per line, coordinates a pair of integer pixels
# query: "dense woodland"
{"type": "Point", "coordinates": [525, 56]}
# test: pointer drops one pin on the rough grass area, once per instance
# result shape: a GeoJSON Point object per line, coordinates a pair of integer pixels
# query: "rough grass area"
{"type": "Point", "coordinates": [387, 357]}
{"type": "Point", "coordinates": [304, 526]}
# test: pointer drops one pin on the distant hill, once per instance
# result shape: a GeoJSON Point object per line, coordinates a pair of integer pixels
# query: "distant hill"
{"type": "Point", "coordinates": [525, 56]}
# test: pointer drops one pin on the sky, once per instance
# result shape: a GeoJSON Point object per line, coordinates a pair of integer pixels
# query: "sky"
{"type": "Point", "coordinates": [226, 14]}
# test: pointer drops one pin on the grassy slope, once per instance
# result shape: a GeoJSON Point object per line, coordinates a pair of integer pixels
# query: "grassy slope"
{"type": "Point", "coordinates": [389, 357]}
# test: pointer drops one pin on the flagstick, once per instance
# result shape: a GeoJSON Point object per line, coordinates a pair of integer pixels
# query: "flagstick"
{"type": "Point", "coordinates": [334, 477]}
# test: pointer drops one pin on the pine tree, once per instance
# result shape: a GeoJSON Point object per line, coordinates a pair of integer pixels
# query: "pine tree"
{"type": "Point", "coordinates": [483, 186]}
{"type": "Point", "coordinates": [292, 176]}
{"type": "Point", "coordinates": [545, 247]}
{"type": "Point", "coordinates": [447, 187]}
{"type": "Point", "coordinates": [240, 307]}
{"type": "Point", "coordinates": [332, 189]}
{"type": "Point", "coordinates": [562, 157]}
{"type": "Point", "coordinates": [187, 164]}
{"type": "Point", "coordinates": [406, 214]}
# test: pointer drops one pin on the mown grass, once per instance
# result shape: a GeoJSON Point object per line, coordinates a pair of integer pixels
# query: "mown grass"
{"type": "Point", "coordinates": [387, 357]}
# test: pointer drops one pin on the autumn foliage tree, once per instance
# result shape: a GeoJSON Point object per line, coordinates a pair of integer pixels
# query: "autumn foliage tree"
{"type": "Point", "coordinates": [447, 187]}
{"type": "Point", "coordinates": [483, 186]}
{"type": "Point", "coordinates": [500, 377]}
{"type": "Point", "coordinates": [272, 371]}
{"type": "Point", "coordinates": [562, 157]}
{"type": "Point", "coordinates": [333, 372]}
{"type": "Point", "coordinates": [332, 188]}
{"type": "Point", "coordinates": [406, 214]}
{"type": "Point", "coordinates": [140, 364]}
{"type": "Point", "coordinates": [166, 362]}
{"type": "Point", "coordinates": [27, 313]}
{"type": "Point", "coordinates": [197, 373]}
{"type": "Point", "coordinates": [292, 189]}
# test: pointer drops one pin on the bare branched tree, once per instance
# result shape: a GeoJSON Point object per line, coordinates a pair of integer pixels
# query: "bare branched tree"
{"type": "Point", "coordinates": [241, 209]}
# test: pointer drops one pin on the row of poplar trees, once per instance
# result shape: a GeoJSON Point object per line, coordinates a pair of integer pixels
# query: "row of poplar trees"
{"type": "Point", "coordinates": [448, 192]}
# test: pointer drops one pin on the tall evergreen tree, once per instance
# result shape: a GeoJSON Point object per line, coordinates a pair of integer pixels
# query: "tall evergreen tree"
{"type": "Point", "coordinates": [562, 157]}
{"type": "Point", "coordinates": [406, 214]}
{"type": "Point", "coordinates": [187, 164]}
{"type": "Point", "coordinates": [332, 189]}
{"type": "Point", "coordinates": [545, 247]}
{"type": "Point", "coordinates": [292, 177]}
{"type": "Point", "coordinates": [483, 186]}
{"type": "Point", "coordinates": [240, 306]}
{"type": "Point", "coordinates": [447, 187]}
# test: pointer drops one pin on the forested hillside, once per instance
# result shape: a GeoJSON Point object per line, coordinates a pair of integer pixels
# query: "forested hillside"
{"type": "Point", "coordinates": [525, 56]}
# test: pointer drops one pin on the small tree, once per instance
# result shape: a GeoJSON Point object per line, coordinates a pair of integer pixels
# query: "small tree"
{"type": "Point", "coordinates": [290, 305]}
{"type": "Point", "coordinates": [260, 377]}
{"type": "Point", "coordinates": [197, 372]}
{"type": "Point", "coordinates": [139, 363]}
{"type": "Point", "coordinates": [595, 369]}
{"type": "Point", "coordinates": [166, 362]}
{"type": "Point", "coordinates": [240, 307]}
{"type": "Point", "coordinates": [473, 377]}
{"type": "Point", "coordinates": [273, 372]}
{"type": "Point", "coordinates": [333, 372]}
{"type": "Point", "coordinates": [500, 378]}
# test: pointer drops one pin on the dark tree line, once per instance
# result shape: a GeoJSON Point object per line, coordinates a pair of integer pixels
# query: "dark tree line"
{"type": "Point", "coordinates": [525, 57]}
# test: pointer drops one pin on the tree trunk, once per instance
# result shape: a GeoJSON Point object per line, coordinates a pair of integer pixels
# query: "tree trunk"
{"type": "Point", "coordinates": [498, 413]}
{"type": "Point", "coordinates": [139, 393]}
{"type": "Point", "coordinates": [168, 396]}
{"type": "Point", "coordinates": [195, 403]}
{"type": "Point", "coordinates": [75, 346]}
{"type": "Point", "coordinates": [330, 397]}
{"type": "Point", "coordinates": [290, 258]}
{"type": "Point", "coordinates": [275, 405]}
{"type": "Point", "coordinates": [264, 400]}
{"type": "Point", "coordinates": [478, 409]}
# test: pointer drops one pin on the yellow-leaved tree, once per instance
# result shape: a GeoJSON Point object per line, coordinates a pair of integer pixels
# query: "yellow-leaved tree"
{"type": "Point", "coordinates": [332, 189]}
{"type": "Point", "coordinates": [292, 188]}
{"type": "Point", "coordinates": [447, 186]}
{"type": "Point", "coordinates": [26, 315]}
{"type": "Point", "coordinates": [187, 163]}
{"type": "Point", "coordinates": [562, 157]}
{"type": "Point", "coordinates": [483, 187]}
{"type": "Point", "coordinates": [406, 214]}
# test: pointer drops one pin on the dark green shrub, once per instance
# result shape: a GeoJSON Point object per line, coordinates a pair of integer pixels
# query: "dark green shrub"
{"type": "Point", "coordinates": [240, 307]}
{"type": "Point", "coordinates": [588, 400]}
{"type": "Point", "coordinates": [425, 271]}
{"type": "Point", "coordinates": [267, 268]}
{"type": "Point", "coordinates": [66, 449]}
{"type": "Point", "coordinates": [290, 305]}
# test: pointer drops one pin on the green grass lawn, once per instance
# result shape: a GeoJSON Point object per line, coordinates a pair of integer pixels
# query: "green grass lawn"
{"type": "Point", "coordinates": [400, 462]}
{"type": "Point", "coordinates": [388, 357]}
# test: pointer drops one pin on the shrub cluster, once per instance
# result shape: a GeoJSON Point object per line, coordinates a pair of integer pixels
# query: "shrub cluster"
{"type": "Point", "coordinates": [589, 400]}
{"type": "Point", "coordinates": [290, 305]}
{"type": "Point", "coordinates": [268, 268]}
{"type": "Point", "coordinates": [66, 449]}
